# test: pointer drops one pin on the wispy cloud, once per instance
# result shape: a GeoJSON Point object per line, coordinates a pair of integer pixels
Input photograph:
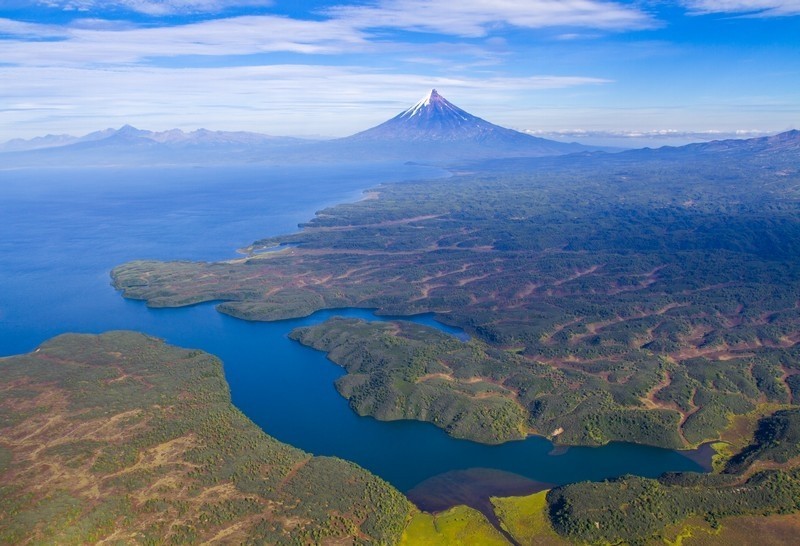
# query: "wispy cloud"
{"type": "Point", "coordinates": [155, 7]}
{"type": "Point", "coordinates": [760, 8]}
{"type": "Point", "coordinates": [13, 30]}
{"type": "Point", "coordinates": [476, 18]}
{"type": "Point", "coordinates": [93, 44]}
{"type": "Point", "coordinates": [649, 138]}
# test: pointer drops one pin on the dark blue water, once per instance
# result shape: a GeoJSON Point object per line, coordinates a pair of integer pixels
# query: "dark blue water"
{"type": "Point", "coordinates": [62, 230]}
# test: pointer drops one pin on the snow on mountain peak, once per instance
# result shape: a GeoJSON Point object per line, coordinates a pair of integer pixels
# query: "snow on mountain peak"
{"type": "Point", "coordinates": [434, 103]}
{"type": "Point", "coordinates": [422, 103]}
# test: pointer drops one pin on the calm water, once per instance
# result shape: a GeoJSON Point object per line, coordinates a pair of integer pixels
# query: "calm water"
{"type": "Point", "coordinates": [62, 231]}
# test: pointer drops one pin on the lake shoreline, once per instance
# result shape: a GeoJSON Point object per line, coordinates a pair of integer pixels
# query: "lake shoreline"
{"type": "Point", "coordinates": [269, 378]}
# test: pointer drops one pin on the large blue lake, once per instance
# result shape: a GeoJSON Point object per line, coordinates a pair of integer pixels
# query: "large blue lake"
{"type": "Point", "coordinates": [62, 230]}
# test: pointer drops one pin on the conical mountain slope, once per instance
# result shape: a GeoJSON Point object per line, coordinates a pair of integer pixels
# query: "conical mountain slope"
{"type": "Point", "coordinates": [448, 131]}
{"type": "Point", "coordinates": [433, 118]}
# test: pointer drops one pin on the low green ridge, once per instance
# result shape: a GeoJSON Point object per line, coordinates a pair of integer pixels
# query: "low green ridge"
{"type": "Point", "coordinates": [402, 370]}
{"type": "Point", "coordinates": [634, 510]}
{"type": "Point", "coordinates": [637, 510]}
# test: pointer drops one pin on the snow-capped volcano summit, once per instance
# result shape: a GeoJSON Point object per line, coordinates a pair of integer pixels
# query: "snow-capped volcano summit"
{"type": "Point", "coordinates": [437, 122]}
{"type": "Point", "coordinates": [433, 104]}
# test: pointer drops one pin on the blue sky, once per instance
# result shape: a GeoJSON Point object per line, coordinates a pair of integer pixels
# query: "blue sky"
{"type": "Point", "coordinates": [336, 67]}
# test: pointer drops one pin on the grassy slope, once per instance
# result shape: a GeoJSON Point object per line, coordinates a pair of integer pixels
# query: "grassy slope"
{"type": "Point", "coordinates": [526, 519]}
{"type": "Point", "coordinates": [776, 530]}
{"type": "Point", "coordinates": [458, 526]}
{"type": "Point", "coordinates": [123, 438]}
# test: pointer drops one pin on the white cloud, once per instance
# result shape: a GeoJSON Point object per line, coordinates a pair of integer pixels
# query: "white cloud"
{"type": "Point", "coordinates": [761, 8]}
{"type": "Point", "coordinates": [92, 44]}
{"type": "Point", "coordinates": [25, 31]}
{"type": "Point", "coordinates": [475, 18]}
{"type": "Point", "coordinates": [155, 7]}
{"type": "Point", "coordinates": [346, 30]}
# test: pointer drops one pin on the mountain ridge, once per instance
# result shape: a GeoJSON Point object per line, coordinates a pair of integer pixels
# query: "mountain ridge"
{"type": "Point", "coordinates": [787, 142]}
{"type": "Point", "coordinates": [432, 130]}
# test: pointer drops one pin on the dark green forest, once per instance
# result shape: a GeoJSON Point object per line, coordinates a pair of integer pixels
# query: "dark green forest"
{"type": "Point", "coordinates": [646, 296]}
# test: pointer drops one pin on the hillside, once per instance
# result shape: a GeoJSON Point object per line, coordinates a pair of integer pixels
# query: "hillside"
{"type": "Point", "coordinates": [122, 438]}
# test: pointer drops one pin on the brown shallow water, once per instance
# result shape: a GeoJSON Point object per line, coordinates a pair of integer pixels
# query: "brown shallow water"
{"type": "Point", "coordinates": [471, 487]}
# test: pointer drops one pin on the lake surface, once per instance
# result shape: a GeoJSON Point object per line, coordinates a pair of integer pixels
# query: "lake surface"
{"type": "Point", "coordinates": [63, 230]}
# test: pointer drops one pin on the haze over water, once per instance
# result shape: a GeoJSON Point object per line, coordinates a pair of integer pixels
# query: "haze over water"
{"type": "Point", "coordinates": [64, 229]}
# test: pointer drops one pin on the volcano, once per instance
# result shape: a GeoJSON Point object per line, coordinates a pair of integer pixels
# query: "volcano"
{"type": "Point", "coordinates": [435, 127]}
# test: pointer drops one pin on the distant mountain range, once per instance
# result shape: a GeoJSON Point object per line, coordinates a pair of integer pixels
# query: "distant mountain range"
{"type": "Point", "coordinates": [433, 130]}
{"type": "Point", "coordinates": [782, 142]}
{"type": "Point", "coordinates": [129, 145]}
{"type": "Point", "coordinates": [128, 135]}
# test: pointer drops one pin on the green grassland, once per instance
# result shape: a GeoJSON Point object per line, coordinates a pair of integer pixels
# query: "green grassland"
{"type": "Point", "coordinates": [458, 526]}
{"type": "Point", "coordinates": [644, 297]}
{"type": "Point", "coordinates": [120, 437]}
{"type": "Point", "coordinates": [527, 520]}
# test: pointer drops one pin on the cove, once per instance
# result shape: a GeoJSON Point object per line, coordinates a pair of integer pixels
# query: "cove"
{"type": "Point", "coordinates": [64, 229]}
{"type": "Point", "coordinates": [288, 390]}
